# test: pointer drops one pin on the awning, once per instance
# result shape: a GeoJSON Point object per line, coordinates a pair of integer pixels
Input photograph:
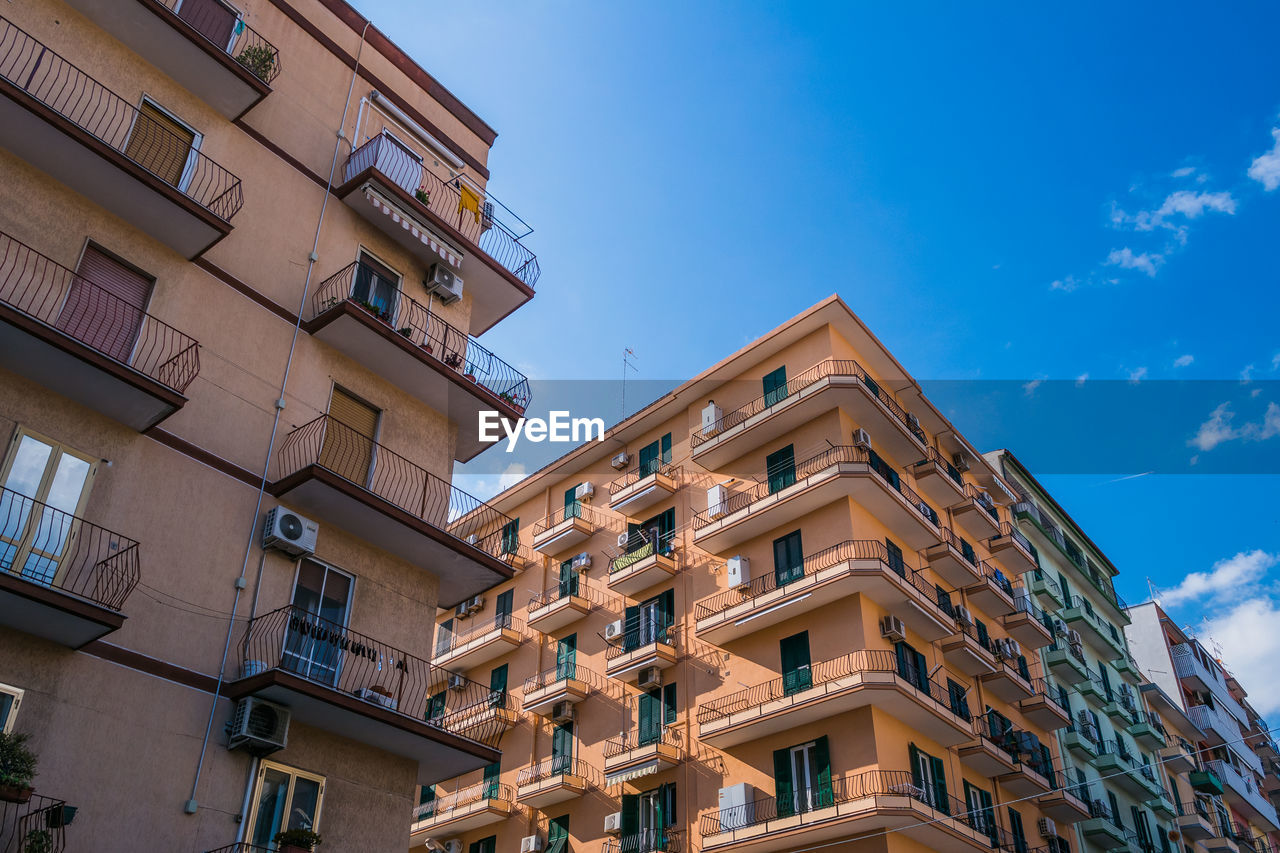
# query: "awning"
{"type": "Point", "coordinates": [647, 769]}
{"type": "Point", "coordinates": [421, 232]}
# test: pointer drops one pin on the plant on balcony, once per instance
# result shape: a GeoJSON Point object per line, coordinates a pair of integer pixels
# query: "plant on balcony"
{"type": "Point", "coordinates": [17, 768]}
{"type": "Point", "coordinates": [297, 840]}
{"type": "Point", "coordinates": [38, 841]}
{"type": "Point", "coordinates": [423, 195]}
{"type": "Point", "coordinates": [259, 59]}
{"type": "Point", "coordinates": [404, 331]}
{"type": "Point", "coordinates": [384, 316]}
{"type": "Point", "coordinates": [453, 359]}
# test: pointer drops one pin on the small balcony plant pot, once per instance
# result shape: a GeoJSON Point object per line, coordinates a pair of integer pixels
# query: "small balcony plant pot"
{"type": "Point", "coordinates": [297, 841]}
{"type": "Point", "coordinates": [17, 767]}
{"type": "Point", "coordinates": [471, 376]}
{"type": "Point", "coordinates": [16, 794]}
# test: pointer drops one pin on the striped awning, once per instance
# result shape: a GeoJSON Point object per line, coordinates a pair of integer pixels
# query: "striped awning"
{"type": "Point", "coordinates": [419, 231]}
{"type": "Point", "coordinates": [646, 769]}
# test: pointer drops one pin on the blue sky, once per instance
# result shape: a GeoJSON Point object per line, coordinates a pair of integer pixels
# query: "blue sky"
{"type": "Point", "coordinates": [1005, 192]}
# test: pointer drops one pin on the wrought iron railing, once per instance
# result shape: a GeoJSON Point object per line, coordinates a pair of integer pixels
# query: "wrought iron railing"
{"type": "Point", "coordinates": [1013, 534]}
{"type": "Point", "coordinates": [484, 227]}
{"type": "Point", "coordinates": [639, 547]}
{"type": "Point", "coordinates": [982, 500]}
{"type": "Point", "coordinates": [36, 825]}
{"type": "Point", "coordinates": [959, 544]}
{"type": "Point", "coordinates": [330, 654]}
{"type": "Point", "coordinates": [424, 329]}
{"type": "Point", "coordinates": [81, 309]}
{"type": "Point", "coordinates": [639, 472]}
{"type": "Point", "coordinates": [441, 807]}
{"type": "Point", "coordinates": [564, 513]}
{"type": "Point", "coordinates": [933, 457]}
{"type": "Point", "coordinates": [820, 371]}
{"type": "Point", "coordinates": [635, 739]}
{"type": "Point", "coordinates": [328, 443]}
{"type": "Point", "coordinates": [647, 841]}
{"type": "Point", "coordinates": [62, 87]}
{"type": "Point", "coordinates": [231, 35]}
{"type": "Point", "coordinates": [568, 670]}
{"type": "Point", "coordinates": [52, 548]}
{"type": "Point", "coordinates": [996, 577]}
{"type": "Point", "coordinates": [560, 765]}
{"type": "Point", "coordinates": [575, 588]}
{"type": "Point", "coordinates": [640, 631]}
{"type": "Point", "coordinates": [446, 643]}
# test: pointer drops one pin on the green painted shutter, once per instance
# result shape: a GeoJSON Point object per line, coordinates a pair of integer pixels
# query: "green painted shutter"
{"type": "Point", "coordinates": [631, 628]}
{"type": "Point", "coordinates": [913, 757]}
{"type": "Point", "coordinates": [796, 673]}
{"type": "Point", "coordinates": [669, 704]}
{"type": "Point", "coordinates": [503, 604]}
{"type": "Point", "coordinates": [784, 787]}
{"type": "Point", "coordinates": [568, 579]}
{"type": "Point", "coordinates": [780, 467]}
{"type": "Point", "coordinates": [788, 559]}
{"type": "Point", "coordinates": [775, 386]}
{"type": "Point", "coordinates": [921, 667]}
{"type": "Point", "coordinates": [630, 818]}
{"type": "Point", "coordinates": [984, 638]}
{"type": "Point", "coordinates": [822, 764]}
{"type": "Point", "coordinates": [1015, 827]}
{"type": "Point", "coordinates": [572, 509]}
{"type": "Point", "coordinates": [435, 706]}
{"type": "Point", "coordinates": [649, 711]}
{"type": "Point", "coordinates": [426, 794]}
{"type": "Point", "coordinates": [668, 610]}
{"type": "Point", "coordinates": [666, 449]}
{"type": "Point", "coordinates": [562, 748]}
{"type": "Point", "coordinates": [567, 657]}
{"type": "Point", "coordinates": [498, 684]}
{"type": "Point", "coordinates": [989, 817]}
{"type": "Point", "coordinates": [490, 782]}
{"type": "Point", "coordinates": [940, 785]}
{"type": "Point", "coordinates": [649, 459]}
{"type": "Point", "coordinates": [895, 558]}
{"type": "Point", "coordinates": [558, 834]}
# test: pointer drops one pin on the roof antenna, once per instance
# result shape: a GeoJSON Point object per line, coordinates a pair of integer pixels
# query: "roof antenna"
{"type": "Point", "coordinates": [627, 364]}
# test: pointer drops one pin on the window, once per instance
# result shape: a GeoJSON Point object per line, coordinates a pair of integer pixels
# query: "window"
{"type": "Point", "coordinates": [895, 558]}
{"type": "Point", "coordinates": [511, 536]}
{"type": "Point", "coordinates": [797, 674]}
{"type": "Point", "coordinates": [649, 713]}
{"type": "Point", "coordinates": [568, 579]}
{"type": "Point", "coordinates": [802, 775]}
{"type": "Point", "coordinates": [562, 749]}
{"type": "Point", "coordinates": [503, 604]}
{"type": "Point", "coordinates": [489, 844]}
{"type": "Point", "coordinates": [1019, 835]}
{"type": "Point", "coordinates": [780, 467]}
{"type": "Point", "coordinates": [982, 815]}
{"type": "Point", "coordinates": [984, 637]}
{"type": "Point", "coordinates": [944, 600]}
{"type": "Point", "coordinates": [38, 469]}
{"type": "Point", "coordinates": [322, 603]}
{"type": "Point", "coordinates": [376, 286]}
{"type": "Point", "coordinates": [654, 456]}
{"type": "Point", "coordinates": [349, 436]}
{"type": "Point", "coordinates": [788, 559]}
{"type": "Point", "coordinates": [426, 794]}
{"type": "Point", "coordinates": [959, 698]}
{"type": "Point", "coordinates": [656, 532]}
{"type": "Point", "coordinates": [435, 707]}
{"type": "Point", "coordinates": [775, 386]}
{"type": "Point", "coordinates": [912, 666]}
{"type": "Point", "coordinates": [109, 315]}
{"type": "Point", "coordinates": [161, 144]}
{"type": "Point", "coordinates": [444, 636]}
{"type": "Point", "coordinates": [567, 657]}
{"type": "Point", "coordinates": [930, 778]}
{"type": "Point", "coordinates": [10, 702]}
{"type": "Point", "coordinates": [558, 834]}
{"type": "Point", "coordinates": [646, 818]}
{"type": "Point", "coordinates": [283, 798]}
{"type": "Point", "coordinates": [669, 705]}
{"type": "Point", "coordinates": [489, 782]}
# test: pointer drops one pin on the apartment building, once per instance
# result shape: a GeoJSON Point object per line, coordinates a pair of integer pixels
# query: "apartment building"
{"type": "Point", "coordinates": [244, 252]}
{"type": "Point", "coordinates": [1235, 752]}
{"type": "Point", "coordinates": [777, 607]}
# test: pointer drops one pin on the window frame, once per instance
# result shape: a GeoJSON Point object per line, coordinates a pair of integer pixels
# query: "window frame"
{"type": "Point", "coordinates": [16, 693]}
{"type": "Point", "coordinates": [294, 773]}
{"type": "Point", "coordinates": [197, 138]}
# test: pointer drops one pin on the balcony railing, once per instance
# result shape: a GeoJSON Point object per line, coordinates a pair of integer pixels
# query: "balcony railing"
{"type": "Point", "coordinates": [81, 309]}
{"type": "Point", "coordinates": [933, 457]}
{"type": "Point", "coordinates": [562, 672]}
{"type": "Point", "coordinates": [245, 45]}
{"type": "Point", "coordinates": [62, 87]}
{"type": "Point", "coordinates": [823, 370]}
{"type": "Point", "coordinates": [639, 472]}
{"type": "Point", "coordinates": [1186, 664]}
{"type": "Point", "coordinates": [564, 513]}
{"type": "Point", "coordinates": [559, 765]}
{"type": "Point", "coordinates": [639, 547]}
{"type": "Point", "coordinates": [36, 825]}
{"type": "Point", "coordinates": [492, 230]}
{"type": "Point", "coordinates": [647, 841]}
{"type": "Point", "coordinates": [638, 632]}
{"type": "Point", "coordinates": [636, 739]}
{"type": "Point", "coordinates": [766, 485]}
{"type": "Point", "coordinates": [560, 591]}
{"type": "Point", "coordinates": [503, 621]}
{"type": "Point", "coordinates": [1072, 552]}
{"type": "Point", "coordinates": [417, 324]}
{"type": "Point", "coordinates": [1244, 785]}
{"type": "Point", "coordinates": [442, 806]}
{"type": "Point", "coordinates": [329, 654]}
{"type": "Point", "coordinates": [860, 661]}
{"type": "Point", "coordinates": [328, 443]}
{"type": "Point", "coordinates": [1008, 531]}
{"type": "Point", "coordinates": [54, 549]}
{"type": "Point", "coordinates": [982, 500]}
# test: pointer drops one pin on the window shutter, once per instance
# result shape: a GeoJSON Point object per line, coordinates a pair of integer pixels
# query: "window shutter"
{"type": "Point", "coordinates": [566, 657]}
{"type": "Point", "coordinates": [630, 816]}
{"type": "Point", "coordinates": [775, 386]}
{"type": "Point", "coordinates": [669, 704]}
{"type": "Point", "coordinates": [795, 663]}
{"type": "Point", "coordinates": [631, 627]}
{"type": "Point", "coordinates": [668, 606]}
{"type": "Point", "coordinates": [106, 317]}
{"type": "Point", "coordinates": [895, 558]}
{"type": "Point", "coordinates": [649, 459]}
{"type": "Point", "coordinates": [984, 639]}
{"type": "Point", "coordinates": [504, 604]}
{"type": "Point", "coordinates": [669, 803]}
{"type": "Point", "coordinates": [913, 754]}
{"type": "Point", "coordinates": [648, 710]}
{"type": "Point", "coordinates": [822, 764]}
{"type": "Point", "coordinates": [159, 144]}
{"type": "Point", "coordinates": [940, 785]}
{"type": "Point", "coordinates": [498, 679]}
{"type": "Point", "coordinates": [666, 449]}
{"type": "Point", "coordinates": [784, 788]}
{"type": "Point", "coordinates": [780, 468]}
{"type": "Point", "coordinates": [491, 773]}
{"type": "Point", "coordinates": [348, 444]}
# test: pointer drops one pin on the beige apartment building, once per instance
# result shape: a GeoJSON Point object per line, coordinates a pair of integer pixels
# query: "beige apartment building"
{"type": "Point", "coordinates": [779, 608]}
{"type": "Point", "coordinates": [244, 249]}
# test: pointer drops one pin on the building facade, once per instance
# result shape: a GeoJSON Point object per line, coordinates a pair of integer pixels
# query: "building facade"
{"type": "Point", "coordinates": [778, 607]}
{"type": "Point", "coordinates": [244, 253]}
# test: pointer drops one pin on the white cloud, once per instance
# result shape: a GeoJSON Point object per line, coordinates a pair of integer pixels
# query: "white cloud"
{"type": "Point", "coordinates": [1184, 360]}
{"type": "Point", "coordinates": [1126, 259]}
{"type": "Point", "coordinates": [1066, 284]}
{"type": "Point", "coordinates": [1250, 644]}
{"type": "Point", "coordinates": [1275, 361]}
{"type": "Point", "coordinates": [1226, 577]}
{"type": "Point", "coordinates": [1216, 430]}
{"type": "Point", "coordinates": [1247, 374]}
{"type": "Point", "coordinates": [1137, 374]}
{"type": "Point", "coordinates": [1029, 388]}
{"type": "Point", "coordinates": [1184, 172]}
{"type": "Point", "coordinates": [1184, 204]}
{"type": "Point", "coordinates": [485, 486]}
{"type": "Point", "coordinates": [1265, 169]}
{"type": "Point", "coordinates": [1081, 379]}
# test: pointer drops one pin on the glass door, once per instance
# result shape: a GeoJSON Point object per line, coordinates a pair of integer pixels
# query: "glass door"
{"type": "Point", "coordinates": [321, 607]}
{"type": "Point", "coordinates": [34, 540]}
{"type": "Point", "coordinates": [376, 287]}
{"type": "Point", "coordinates": [651, 822]}
{"type": "Point", "coordinates": [804, 778]}
{"type": "Point", "coordinates": [284, 798]}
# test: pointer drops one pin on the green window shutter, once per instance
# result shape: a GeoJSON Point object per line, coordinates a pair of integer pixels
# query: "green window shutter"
{"type": "Point", "coordinates": [788, 559]}
{"type": "Point", "coordinates": [649, 458]}
{"type": "Point", "coordinates": [668, 608]}
{"type": "Point", "coordinates": [784, 788]}
{"type": "Point", "coordinates": [940, 785]}
{"type": "Point", "coordinates": [571, 502]}
{"type": "Point", "coordinates": [1106, 681]}
{"type": "Point", "coordinates": [631, 628]}
{"type": "Point", "coordinates": [649, 712]}
{"type": "Point", "coordinates": [913, 756]}
{"type": "Point", "coordinates": [567, 657]}
{"type": "Point", "coordinates": [669, 704]}
{"type": "Point", "coordinates": [630, 816]}
{"type": "Point", "coordinates": [511, 536]}
{"type": "Point", "coordinates": [780, 467]}
{"type": "Point", "coordinates": [426, 794]}
{"type": "Point", "coordinates": [491, 774]}
{"type": "Point", "coordinates": [568, 579]}
{"type": "Point", "coordinates": [796, 673]}
{"type": "Point", "coordinates": [667, 527]}
{"type": "Point", "coordinates": [922, 672]}
{"type": "Point", "coordinates": [775, 386]}
{"type": "Point", "coordinates": [895, 558]}
{"type": "Point", "coordinates": [474, 847]}
{"type": "Point", "coordinates": [558, 834]}
{"type": "Point", "coordinates": [959, 699]}
{"type": "Point", "coordinates": [944, 600]}
{"type": "Point", "coordinates": [498, 680]}
{"type": "Point", "coordinates": [504, 603]}
{"type": "Point", "coordinates": [562, 748]}
{"type": "Point", "coordinates": [1015, 827]}
{"type": "Point", "coordinates": [988, 817]}
{"type": "Point", "coordinates": [822, 762]}
{"type": "Point", "coordinates": [435, 706]}
{"type": "Point", "coordinates": [666, 449]}
{"type": "Point", "coordinates": [984, 639]}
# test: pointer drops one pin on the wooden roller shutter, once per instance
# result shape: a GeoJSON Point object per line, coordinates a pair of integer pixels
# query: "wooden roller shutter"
{"type": "Point", "coordinates": [348, 437]}
{"type": "Point", "coordinates": [210, 18]}
{"type": "Point", "coordinates": [105, 304]}
{"type": "Point", "coordinates": [159, 144]}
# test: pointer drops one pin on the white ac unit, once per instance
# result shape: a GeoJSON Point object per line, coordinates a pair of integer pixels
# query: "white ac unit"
{"type": "Point", "coordinates": [461, 611]}
{"type": "Point", "coordinates": [475, 603]}
{"type": "Point", "coordinates": [443, 282]}
{"type": "Point", "coordinates": [650, 677]}
{"type": "Point", "coordinates": [1059, 627]}
{"type": "Point", "coordinates": [563, 712]}
{"type": "Point", "coordinates": [583, 492]}
{"type": "Point", "coordinates": [1073, 637]}
{"type": "Point", "coordinates": [453, 845]}
{"type": "Point", "coordinates": [472, 538]}
{"type": "Point", "coordinates": [287, 531]}
{"type": "Point", "coordinates": [739, 571]}
{"type": "Point", "coordinates": [717, 497]}
{"type": "Point", "coordinates": [960, 462]}
{"type": "Point", "coordinates": [613, 824]}
{"type": "Point", "coordinates": [963, 616]}
{"type": "Point", "coordinates": [261, 726]}
{"type": "Point", "coordinates": [1048, 829]}
{"type": "Point", "coordinates": [620, 461]}
{"type": "Point", "coordinates": [712, 418]}
{"type": "Point", "coordinates": [736, 806]}
{"type": "Point", "coordinates": [862, 438]}
{"type": "Point", "coordinates": [531, 844]}
{"type": "Point", "coordinates": [457, 681]}
{"type": "Point", "coordinates": [893, 628]}
{"type": "Point", "coordinates": [624, 539]}
{"type": "Point", "coordinates": [1090, 732]}
{"type": "Point", "coordinates": [581, 561]}
{"type": "Point", "coordinates": [613, 632]}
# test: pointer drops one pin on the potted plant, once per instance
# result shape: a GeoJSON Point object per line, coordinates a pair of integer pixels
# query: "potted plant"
{"type": "Point", "coordinates": [297, 840]}
{"type": "Point", "coordinates": [259, 59]}
{"type": "Point", "coordinates": [17, 768]}
{"type": "Point", "coordinates": [453, 359]}
{"type": "Point", "coordinates": [422, 195]}
{"type": "Point", "coordinates": [38, 841]}
{"type": "Point", "coordinates": [404, 331]}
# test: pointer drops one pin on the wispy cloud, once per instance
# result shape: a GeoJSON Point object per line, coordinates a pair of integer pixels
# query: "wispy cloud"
{"type": "Point", "coordinates": [1246, 373]}
{"type": "Point", "coordinates": [1265, 168]}
{"type": "Point", "coordinates": [1226, 577]}
{"type": "Point", "coordinates": [1184, 360]}
{"type": "Point", "coordinates": [1275, 361]}
{"type": "Point", "coordinates": [1137, 374]}
{"type": "Point", "coordinates": [1127, 259]}
{"type": "Point", "coordinates": [1220, 428]}
{"type": "Point", "coordinates": [1081, 379]}
{"type": "Point", "coordinates": [1176, 209]}
{"type": "Point", "coordinates": [1184, 172]}
{"type": "Point", "coordinates": [1029, 388]}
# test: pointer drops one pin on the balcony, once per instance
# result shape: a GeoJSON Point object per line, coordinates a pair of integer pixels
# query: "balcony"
{"type": "Point", "coordinates": [368, 318]}
{"type": "Point", "coordinates": [339, 477]}
{"type": "Point", "coordinates": [937, 479]}
{"type": "Point", "coordinates": [635, 753]}
{"type": "Point", "coordinates": [562, 605]}
{"type": "Point", "coordinates": [358, 688]}
{"type": "Point", "coordinates": [644, 564]}
{"type": "Point", "coordinates": [867, 803]}
{"type": "Point", "coordinates": [648, 841]}
{"type": "Point", "coordinates": [643, 487]}
{"type": "Point", "coordinates": [1012, 550]}
{"type": "Point", "coordinates": [1122, 709]}
{"type": "Point", "coordinates": [1148, 731]}
{"type": "Point", "coordinates": [1028, 624]}
{"type": "Point", "coordinates": [1028, 777]}
{"type": "Point", "coordinates": [1066, 660]}
{"type": "Point", "coordinates": [206, 48]}
{"type": "Point", "coordinates": [1218, 727]}
{"type": "Point", "coordinates": [831, 383]}
{"type": "Point", "coordinates": [438, 220]}
{"type": "Point", "coordinates": [1243, 794]}
{"type": "Point", "coordinates": [1046, 590]}
{"type": "Point", "coordinates": [1205, 781]}
{"type": "Point", "coordinates": [856, 680]}
{"type": "Point", "coordinates": [62, 578]}
{"type": "Point", "coordinates": [977, 513]}
{"type": "Point", "coordinates": [1011, 680]}
{"type": "Point", "coordinates": [1082, 739]}
{"type": "Point", "coordinates": [953, 559]}
{"type": "Point", "coordinates": [555, 780]}
{"type": "Point", "coordinates": [1068, 802]}
{"type": "Point", "coordinates": [1104, 829]}
{"type": "Point", "coordinates": [994, 593]}
{"type": "Point", "coordinates": [36, 826]}
{"type": "Point", "coordinates": [1195, 820]}
{"type": "Point", "coordinates": [79, 132]}
{"type": "Point", "coordinates": [1126, 771]}
{"type": "Point", "coordinates": [472, 807]}
{"type": "Point", "coordinates": [1199, 675]}
{"type": "Point", "coordinates": [498, 713]}
{"type": "Point", "coordinates": [567, 682]}
{"type": "Point", "coordinates": [854, 567]}
{"type": "Point", "coordinates": [992, 752]}
{"type": "Point", "coordinates": [968, 652]}
{"type": "Point", "coordinates": [483, 642]}
{"type": "Point", "coordinates": [837, 473]}
{"type": "Point", "coordinates": [642, 645]}
{"type": "Point", "coordinates": [77, 338]}
{"type": "Point", "coordinates": [1042, 707]}
{"type": "Point", "coordinates": [563, 529]}
{"type": "Point", "coordinates": [1179, 756]}
{"type": "Point", "coordinates": [1096, 631]}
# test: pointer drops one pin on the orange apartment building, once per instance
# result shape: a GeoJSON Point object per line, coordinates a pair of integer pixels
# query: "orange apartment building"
{"type": "Point", "coordinates": [778, 608]}
{"type": "Point", "coordinates": [245, 248]}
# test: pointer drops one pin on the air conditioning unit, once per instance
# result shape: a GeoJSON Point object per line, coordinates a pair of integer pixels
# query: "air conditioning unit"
{"type": "Point", "coordinates": [461, 611]}
{"type": "Point", "coordinates": [261, 726]}
{"type": "Point", "coordinates": [739, 571]}
{"type": "Point", "coordinates": [893, 628]}
{"type": "Point", "coordinates": [1073, 637]}
{"type": "Point", "coordinates": [613, 632]}
{"type": "Point", "coordinates": [913, 421]}
{"type": "Point", "coordinates": [712, 419]}
{"type": "Point", "coordinates": [1090, 732]}
{"type": "Point", "coordinates": [433, 846]}
{"type": "Point", "coordinates": [531, 844]}
{"type": "Point", "coordinates": [581, 561]}
{"type": "Point", "coordinates": [959, 461]}
{"type": "Point", "coordinates": [963, 616]}
{"type": "Point", "coordinates": [443, 282]}
{"type": "Point", "coordinates": [737, 806]}
{"type": "Point", "coordinates": [1048, 829]}
{"type": "Point", "coordinates": [287, 531]}
{"type": "Point", "coordinates": [717, 498]}
{"type": "Point", "coordinates": [457, 681]}
{"type": "Point", "coordinates": [613, 824]}
{"type": "Point", "coordinates": [475, 603]}
{"type": "Point", "coordinates": [1059, 627]}
{"type": "Point", "coordinates": [862, 438]}
{"type": "Point", "coordinates": [472, 538]}
{"type": "Point", "coordinates": [624, 539]}
{"type": "Point", "coordinates": [620, 461]}
{"type": "Point", "coordinates": [650, 677]}
{"type": "Point", "coordinates": [563, 712]}
{"type": "Point", "coordinates": [583, 492]}
{"type": "Point", "coordinates": [453, 845]}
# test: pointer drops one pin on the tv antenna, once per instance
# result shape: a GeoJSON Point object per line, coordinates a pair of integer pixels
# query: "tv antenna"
{"type": "Point", "coordinates": [628, 363]}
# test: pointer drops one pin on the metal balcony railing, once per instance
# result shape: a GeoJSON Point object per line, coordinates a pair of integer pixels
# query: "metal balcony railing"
{"type": "Point", "coordinates": [330, 654]}
{"type": "Point", "coordinates": [564, 513]}
{"type": "Point", "coordinates": [52, 548]}
{"type": "Point", "coordinates": [635, 739]}
{"type": "Point", "coordinates": [441, 807]}
{"type": "Point", "coordinates": [639, 547]}
{"type": "Point", "coordinates": [492, 229]}
{"type": "Point", "coordinates": [245, 44]}
{"type": "Point", "coordinates": [417, 324]}
{"type": "Point", "coordinates": [638, 632]}
{"type": "Point", "coordinates": [446, 643]}
{"type": "Point", "coordinates": [576, 587]}
{"type": "Point", "coordinates": [647, 841]}
{"type": "Point", "coordinates": [639, 472]}
{"type": "Point", "coordinates": [959, 544]}
{"type": "Point", "coordinates": [1244, 785]}
{"type": "Point", "coordinates": [820, 371]}
{"type": "Point", "coordinates": [982, 500]}
{"type": "Point", "coordinates": [562, 672]}
{"type": "Point", "coordinates": [560, 765]}
{"type": "Point", "coordinates": [86, 312]}
{"type": "Point", "coordinates": [62, 87]}
{"type": "Point", "coordinates": [36, 825]}
{"type": "Point", "coordinates": [932, 456]}
{"type": "Point", "coordinates": [328, 443]}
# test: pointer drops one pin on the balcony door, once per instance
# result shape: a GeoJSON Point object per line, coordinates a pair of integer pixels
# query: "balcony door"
{"type": "Point", "coordinates": [214, 20]}
{"type": "Point", "coordinates": [376, 286]}
{"type": "Point", "coordinates": [349, 437]}
{"type": "Point", "coordinates": [780, 467]}
{"type": "Point", "coordinates": [567, 658]}
{"type": "Point", "coordinates": [562, 749]}
{"type": "Point", "coordinates": [930, 779]}
{"type": "Point", "coordinates": [803, 777]}
{"type": "Point", "coordinates": [797, 673]}
{"type": "Point", "coordinates": [105, 304]}
{"type": "Point", "coordinates": [35, 539]}
{"type": "Point", "coordinates": [788, 559]}
{"type": "Point", "coordinates": [161, 144]}
{"type": "Point", "coordinates": [321, 607]}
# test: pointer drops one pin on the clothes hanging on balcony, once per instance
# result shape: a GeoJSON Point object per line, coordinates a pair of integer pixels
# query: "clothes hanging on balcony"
{"type": "Point", "coordinates": [468, 199]}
